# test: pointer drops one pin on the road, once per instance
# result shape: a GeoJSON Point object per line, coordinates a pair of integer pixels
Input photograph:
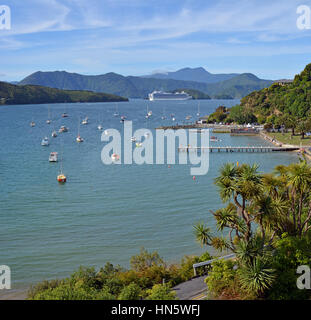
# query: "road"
{"type": "Point", "coordinates": [194, 289]}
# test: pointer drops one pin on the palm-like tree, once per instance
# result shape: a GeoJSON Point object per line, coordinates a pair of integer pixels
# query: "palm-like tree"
{"type": "Point", "coordinates": [202, 234]}
{"type": "Point", "coordinates": [257, 276]}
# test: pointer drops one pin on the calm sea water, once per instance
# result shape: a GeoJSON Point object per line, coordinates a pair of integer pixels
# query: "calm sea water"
{"type": "Point", "coordinates": [103, 213]}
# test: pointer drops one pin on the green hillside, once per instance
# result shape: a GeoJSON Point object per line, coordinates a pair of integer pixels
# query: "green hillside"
{"type": "Point", "coordinates": [32, 94]}
{"type": "Point", "coordinates": [286, 106]}
{"type": "Point", "coordinates": [139, 87]}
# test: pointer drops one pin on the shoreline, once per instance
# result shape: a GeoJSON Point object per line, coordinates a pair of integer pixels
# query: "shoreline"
{"type": "Point", "coordinates": [304, 149]}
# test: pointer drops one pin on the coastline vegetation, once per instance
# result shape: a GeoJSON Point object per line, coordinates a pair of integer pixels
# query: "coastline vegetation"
{"type": "Point", "coordinates": [149, 277]}
{"type": "Point", "coordinates": [267, 223]}
{"type": "Point", "coordinates": [280, 108]}
{"type": "Point", "coordinates": [33, 94]}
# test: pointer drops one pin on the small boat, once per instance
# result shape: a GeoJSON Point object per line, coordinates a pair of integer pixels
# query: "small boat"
{"type": "Point", "coordinates": [106, 132]}
{"type": "Point", "coordinates": [79, 138]}
{"type": "Point", "coordinates": [65, 115]}
{"type": "Point", "coordinates": [123, 118]}
{"type": "Point", "coordinates": [163, 117]}
{"type": "Point", "coordinates": [100, 127]}
{"type": "Point", "coordinates": [32, 123]}
{"type": "Point", "coordinates": [85, 121]}
{"type": "Point", "coordinates": [138, 144]}
{"type": "Point", "coordinates": [49, 117]}
{"type": "Point", "coordinates": [149, 113]}
{"type": "Point", "coordinates": [173, 119]}
{"type": "Point", "coordinates": [115, 157]}
{"type": "Point", "coordinates": [214, 139]}
{"type": "Point", "coordinates": [45, 142]}
{"type": "Point", "coordinates": [61, 178]}
{"type": "Point", "coordinates": [133, 139]}
{"type": "Point", "coordinates": [63, 129]}
{"type": "Point", "coordinates": [188, 117]}
{"type": "Point", "coordinates": [54, 134]}
{"type": "Point", "coordinates": [198, 113]}
{"type": "Point", "coordinates": [53, 157]}
{"type": "Point", "coordinates": [116, 113]}
{"type": "Point", "coordinates": [147, 134]}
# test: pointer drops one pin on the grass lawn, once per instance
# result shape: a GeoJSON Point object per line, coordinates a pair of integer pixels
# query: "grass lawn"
{"type": "Point", "coordinates": [287, 139]}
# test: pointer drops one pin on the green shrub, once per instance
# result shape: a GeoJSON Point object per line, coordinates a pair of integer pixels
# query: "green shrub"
{"type": "Point", "coordinates": [131, 292]}
{"type": "Point", "coordinates": [161, 292]}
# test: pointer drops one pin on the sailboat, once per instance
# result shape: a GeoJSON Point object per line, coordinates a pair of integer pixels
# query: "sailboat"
{"type": "Point", "coordinates": [85, 121]}
{"type": "Point", "coordinates": [45, 142]}
{"type": "Point", "coordinates": [79, 138]}
{"type": "Point", "coordinates": [149, 113]}
{"type": "Point", "coordinates": [54, 134]}
{"type": "Point", "coordinates": [32, 123]}
{"type": "Point", "coordinates": [61, 178]}
{"type": "Point", "coordinates": [65, 115]}
{"type": "Point", "coordinates": [163, 116]}
{"type": "Point", "coordinates": [100, 127]}
{"type": "Point", "coordinates": [198, 113]}
{"type": "Point", "coordinates": [116, 113]}
{"type": "Point", "coordinates": [48, 121]}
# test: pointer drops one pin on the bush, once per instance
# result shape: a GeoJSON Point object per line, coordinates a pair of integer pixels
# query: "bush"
{"type": "Point", "coordinates": [291, 252]}
{"type": "Point", "coordinates": [161, 292]}
{"type": "Point", "coordinates": [131, 292]}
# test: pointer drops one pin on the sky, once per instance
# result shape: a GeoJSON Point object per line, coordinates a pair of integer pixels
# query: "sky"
{"type": "Point", "coordinates": [138, 37]}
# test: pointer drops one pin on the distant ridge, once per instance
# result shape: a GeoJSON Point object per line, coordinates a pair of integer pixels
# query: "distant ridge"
{"type": "Point", "coordinates": [193, 74]}
{"type": "Point", "coordinates": [237, 86]}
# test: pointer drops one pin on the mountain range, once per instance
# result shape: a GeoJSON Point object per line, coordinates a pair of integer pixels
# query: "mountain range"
{"type": "Point", "coordinates": [193, 74]}
{"type": "Point", "coordinates": [232, 85]}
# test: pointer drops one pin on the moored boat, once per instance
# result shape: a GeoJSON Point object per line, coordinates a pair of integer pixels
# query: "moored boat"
{"type": "Point", "coordinates": [53, 157]}
{"type": "Point", "coordinates": [63, 129]}
{"type": "Point", "coordinates": [45, 142]}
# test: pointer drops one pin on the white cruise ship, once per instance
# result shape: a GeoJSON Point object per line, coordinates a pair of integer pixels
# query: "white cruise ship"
{"type": "Point", "coordinates": [160, 95]}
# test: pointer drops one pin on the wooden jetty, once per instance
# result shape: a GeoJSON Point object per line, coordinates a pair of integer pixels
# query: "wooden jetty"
{"type": "Point", "coordinates": [239, 149]}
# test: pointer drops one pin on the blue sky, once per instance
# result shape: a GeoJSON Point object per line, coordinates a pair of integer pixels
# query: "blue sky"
{"type": "Point", "coordinates": [137, 37]}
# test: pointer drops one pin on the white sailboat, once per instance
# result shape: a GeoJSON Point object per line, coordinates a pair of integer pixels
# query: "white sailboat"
{"type": "Point", "coordinates": [116, 113]}
{"type": "Point", "coordinates": [48, 121]}
{"type": "Point", "coordinates": [149, 113]}
{"type": "Point", "coordinates": [79, 138]}
{"type": "Point", "coordinates": [85, 121]}
{"type": "Point", "coordinates": [163, 116]}
{"type": "Point", "coordinates": [198, 113]}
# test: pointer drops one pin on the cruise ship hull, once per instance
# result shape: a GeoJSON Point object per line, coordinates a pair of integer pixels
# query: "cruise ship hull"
{"type": "Point", "coordinates": [169, 96]}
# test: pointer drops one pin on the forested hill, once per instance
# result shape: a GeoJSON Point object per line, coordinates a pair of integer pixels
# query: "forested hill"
{"type": "Point", "coordinates": [32, 94]}
{"type": "Point", "coordinates": [282, 100]}
{"type": "Point", "coordinates": [138, 87]}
